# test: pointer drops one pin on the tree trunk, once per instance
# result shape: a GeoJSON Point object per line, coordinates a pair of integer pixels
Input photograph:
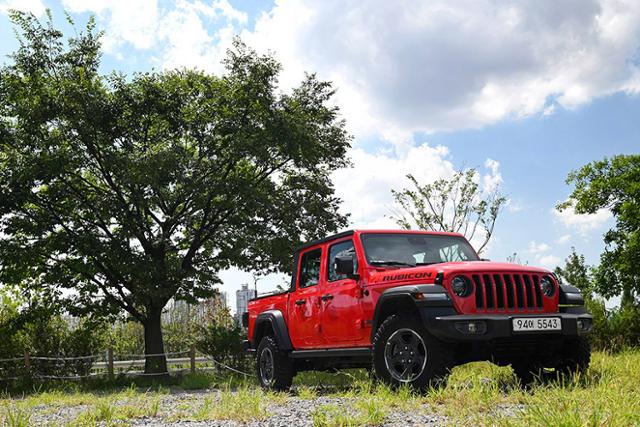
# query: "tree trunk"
{"type": "Point", "coordinates": [154, 345]}
{"type": "Point", "coordinates": [627, 297]}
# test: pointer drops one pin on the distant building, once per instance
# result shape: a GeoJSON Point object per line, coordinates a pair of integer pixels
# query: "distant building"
{"type": "Point", "coordinates": [181, 312]}
{"type": "Point", "coordinates": [243, 295]}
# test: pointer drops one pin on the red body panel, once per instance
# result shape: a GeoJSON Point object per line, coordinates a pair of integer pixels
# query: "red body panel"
{"type": "Point", "coordinates": [345, 319]}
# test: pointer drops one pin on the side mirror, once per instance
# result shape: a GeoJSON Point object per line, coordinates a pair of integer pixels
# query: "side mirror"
{"type": "Point", "coordinates": [345, 265]}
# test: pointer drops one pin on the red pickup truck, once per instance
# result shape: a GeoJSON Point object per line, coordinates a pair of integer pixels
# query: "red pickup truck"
{"type": "Point", "coordinates": [414, 304]}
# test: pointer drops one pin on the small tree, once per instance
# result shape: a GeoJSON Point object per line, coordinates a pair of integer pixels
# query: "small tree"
{"type": "Point", "coordinates": [515, 259]}
{"type": "Point", "coordinates": [455, 205]}
{"type": "Point", "coordinates": [131, 191]}
{"type": "Point", "coordinates": [576, 272]}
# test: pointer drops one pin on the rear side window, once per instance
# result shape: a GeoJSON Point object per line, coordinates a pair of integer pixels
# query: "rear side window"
{"type": "Point", "coordinates": [340, 249]}
{"type": "Point", "coordinates": [310, 268]}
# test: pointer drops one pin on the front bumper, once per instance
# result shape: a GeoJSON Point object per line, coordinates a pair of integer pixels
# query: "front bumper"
{"type": "Point", "coordinates": [456, 328]}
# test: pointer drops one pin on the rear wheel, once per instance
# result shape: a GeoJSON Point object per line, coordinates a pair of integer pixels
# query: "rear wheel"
{"type": "Point", "coordinates": [274, 368]}
{"type": "Point", "coordinates": [405, 353]}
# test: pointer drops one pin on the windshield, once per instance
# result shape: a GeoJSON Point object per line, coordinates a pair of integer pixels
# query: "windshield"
{"type": "Point", "coordinates": [410, 249]}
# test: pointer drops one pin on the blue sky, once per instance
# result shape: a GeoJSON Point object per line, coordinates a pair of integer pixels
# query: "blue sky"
{"type": "Point", "coordinates": [525, 92]}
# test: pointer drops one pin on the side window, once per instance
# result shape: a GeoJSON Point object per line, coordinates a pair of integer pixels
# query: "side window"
{"type": "Point", "coordinates": [310, 268]}
{"type": "Point", "coordinates": [340, 249]}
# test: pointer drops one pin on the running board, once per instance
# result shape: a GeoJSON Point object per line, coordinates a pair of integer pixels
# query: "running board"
{"type": "Point", "coordinates": [332, 352]}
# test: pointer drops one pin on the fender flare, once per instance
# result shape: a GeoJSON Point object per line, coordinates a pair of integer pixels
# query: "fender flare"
{"type": "Point", "coordinates": [434, 298]}
{"type": "Point", "coordinates": [570, 295]}
{"type": "Point", "coordinates": [276, 319]}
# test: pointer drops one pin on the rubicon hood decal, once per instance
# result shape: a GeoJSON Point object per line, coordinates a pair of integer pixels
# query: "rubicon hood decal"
{"type": "Point", "coordinates": [417, 275]}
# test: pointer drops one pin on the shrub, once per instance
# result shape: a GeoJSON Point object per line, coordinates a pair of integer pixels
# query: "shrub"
{"type": "Point", "coordinates": [624, 328]}
{"type": "Point", "coordinates": [42, 331]}
{"type": "Point", "coordinates": [223, 343]}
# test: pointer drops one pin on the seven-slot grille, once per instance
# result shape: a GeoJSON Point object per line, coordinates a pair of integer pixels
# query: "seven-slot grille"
{"type": "Point", "coordinates": [507, 291]}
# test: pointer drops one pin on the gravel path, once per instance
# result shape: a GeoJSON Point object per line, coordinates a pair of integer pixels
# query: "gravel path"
{"type": "Point", "coordinates": [293, 412]}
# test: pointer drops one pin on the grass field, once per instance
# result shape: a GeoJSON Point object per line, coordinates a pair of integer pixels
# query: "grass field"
{"type": "Point", "coordinates": [476, 394]}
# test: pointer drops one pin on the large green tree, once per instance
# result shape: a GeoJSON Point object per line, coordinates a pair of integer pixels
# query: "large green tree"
{"type": "Point", "coordinates": [132, 190]}
{"type": "Point", "coordinates": [613, 184]}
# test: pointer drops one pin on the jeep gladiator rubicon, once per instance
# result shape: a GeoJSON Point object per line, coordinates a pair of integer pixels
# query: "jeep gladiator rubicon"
{"type": "Point", "coordinates": [414, 304]}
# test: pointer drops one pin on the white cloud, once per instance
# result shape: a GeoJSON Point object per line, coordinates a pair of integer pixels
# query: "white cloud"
{"type": "Point", "coordinates": [549, 261]}
{"type": "Point", "coordinates": [493, 179]}
{"type": "Point", "coordinates": [513, 206]}
{"type": "Point", "coordinates": [125, 21]}
{"type": "Point", "coordinates": [566, 238]}
{"type": "Point", "coordinates": [583, 223]}
{"type": "Point", "coordinates": [366, 187]}
{"type": "Point", "coordinates": [179, 34]}
{"type": "Point", "coordinates": [447, 65]}
{"type": "Point", "coordinates": [34, 6]}
{"type": "Point", "coordinates": [402, 67]}
{"type": "Point", "coordinates": [538, 248]}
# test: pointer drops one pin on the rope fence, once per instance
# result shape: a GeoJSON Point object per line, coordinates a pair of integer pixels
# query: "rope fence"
{"type": "Point", "coordinates": [97, 365]}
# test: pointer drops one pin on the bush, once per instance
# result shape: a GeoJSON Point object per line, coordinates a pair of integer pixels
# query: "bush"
{"type": "Point", "coordinates": [224, 344]}
{"type": "Point", "coordinates": [126, 338]}
{"type": "Point", "coordinates": [42, 331]}
{"type": "Point", "coordinates": [614, 330]}
{"type": "Point", "coordinates": [624, 326]}
{"type": "Point", "coordinates": [601, 332]}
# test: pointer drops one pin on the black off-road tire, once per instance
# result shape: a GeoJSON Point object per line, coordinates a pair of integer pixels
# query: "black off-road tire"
{"type": "Point", "coordinates": [527, 371]}
{"type": "Point", "coordinates": [575, 358]}
{"type": "Point", "coordinates": [439, 356]}
{"type": "Point", "coordinates": [282, 368]}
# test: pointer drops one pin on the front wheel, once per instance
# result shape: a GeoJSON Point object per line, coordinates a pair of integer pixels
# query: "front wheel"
{"type": "Point", "coordinates": [573, 359]}
{"type": "Point", "coordinates": [405, 353]}
{"type": "Point", "coordinates": [274, 368]}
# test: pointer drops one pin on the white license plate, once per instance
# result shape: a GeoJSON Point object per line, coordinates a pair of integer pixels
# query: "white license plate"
{"type": "Point", "coordinates": [521, 324]}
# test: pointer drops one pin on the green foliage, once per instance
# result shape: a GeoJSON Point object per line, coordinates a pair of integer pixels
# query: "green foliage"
{"type": "Point", "coordinates": [613, 184]}
{"type": "Point", "coordinates": [126, 338]}
{"type": "Point", "coordinates": [197, 381]}
{"type": "Point", "coordinates": [624, 328]}
{"type": "Point", "coordinates": [576, 273]}
{"type": "Point", "coordinates": [16, 417]}
{"type": "Point", "coordinates": [132, 190]}
{"type": "Point", "coordinates": [224, 343]}
{"type": "Point", "coordinates": [613, 330]}
{"type": "Point", "coordinates": [43, 331]}
{"type": "Point", "coordinates": [456, 204]}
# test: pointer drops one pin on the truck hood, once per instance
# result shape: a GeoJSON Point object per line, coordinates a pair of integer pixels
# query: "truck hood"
{"type": "Point", "coordinates": [427, 273]}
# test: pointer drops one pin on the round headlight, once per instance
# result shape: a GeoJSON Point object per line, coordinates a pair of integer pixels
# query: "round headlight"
{"type": "Point", "coordinates": [461, 286]}
{"type": "Point", "coordinates": [546, 284]}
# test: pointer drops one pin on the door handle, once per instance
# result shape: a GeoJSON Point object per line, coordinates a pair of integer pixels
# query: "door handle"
{"type": "Point", "coordinates": [301, 301]}
{"type": "Point", "coordinates": [326, 297]}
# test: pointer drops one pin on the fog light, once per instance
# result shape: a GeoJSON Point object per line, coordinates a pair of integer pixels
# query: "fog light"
{"type": "Point", "coordinates": [584, 324]}
{"type": "Point", "coordinates": [472, 328]}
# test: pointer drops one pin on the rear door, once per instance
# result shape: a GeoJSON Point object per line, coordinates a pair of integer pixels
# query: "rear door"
{"type": "Point", "coordinates": [304, 303]}
{"type": "Point", "coordinates": [341, 299]}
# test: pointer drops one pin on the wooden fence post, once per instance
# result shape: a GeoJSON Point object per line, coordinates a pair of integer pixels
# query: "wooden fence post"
{"type": "Point", "coordinates": [27, 364]}
{"type": "Point", "coordinates": [110, 363]}
{"type": "Point", "coordinates": [192, 356]}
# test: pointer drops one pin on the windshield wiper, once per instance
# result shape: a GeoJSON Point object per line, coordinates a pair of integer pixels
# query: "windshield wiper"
{"type": "Point", "coordinates": [429, 263]}
{"type": "Point", "coordinates": [391, 262]}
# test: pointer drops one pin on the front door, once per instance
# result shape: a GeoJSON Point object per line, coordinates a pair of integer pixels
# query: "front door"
{"type": "Point", "coordinates": [304, 303]}
{"type": "Point", "coordinates": [341, 299]}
